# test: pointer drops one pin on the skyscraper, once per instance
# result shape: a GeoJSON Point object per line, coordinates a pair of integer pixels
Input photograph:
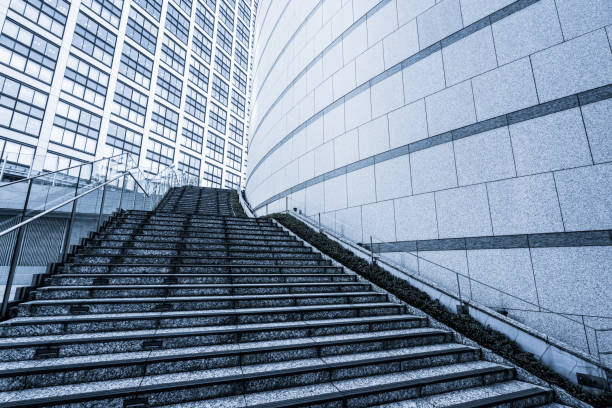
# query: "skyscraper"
{"type": "Point", "coordinates": [166, 80]}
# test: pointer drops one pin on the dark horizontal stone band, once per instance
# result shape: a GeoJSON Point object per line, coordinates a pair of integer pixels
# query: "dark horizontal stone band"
{"type": "Point", "coordinates": [546, 240]}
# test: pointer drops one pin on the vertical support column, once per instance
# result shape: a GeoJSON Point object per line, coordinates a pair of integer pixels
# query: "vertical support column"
{"type": "Point", "coordinates": [69, 227]}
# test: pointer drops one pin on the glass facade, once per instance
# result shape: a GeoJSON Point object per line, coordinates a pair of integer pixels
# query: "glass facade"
{"type": "Point", "coordinates": [165, 80]}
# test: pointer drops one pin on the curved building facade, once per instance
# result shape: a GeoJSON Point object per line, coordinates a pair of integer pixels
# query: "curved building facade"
{"type": "Point", "coordinates": [474, 132]}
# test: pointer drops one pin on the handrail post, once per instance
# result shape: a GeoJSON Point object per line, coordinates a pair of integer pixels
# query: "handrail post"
{"type": "Point", "coordinates": [459, 288]}
{"type": "Point", "coordinates": [68, 231]}
{"type": "Point", "coordinates": [124, 182]}
{"type": "Point", "coordinates": [103, 197]}
{"type": "Point", "coordinates": [586, 336]}
{"type": "Point", "coordinates": [2, 169]}
{"type": "Point", "coordinates": [15, 256]}
{"type": "Point", "coordinates": [371, 250]}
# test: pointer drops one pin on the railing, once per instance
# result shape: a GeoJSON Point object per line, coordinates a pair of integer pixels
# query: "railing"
{"type": "Point", "coordinates": [571, 328]}
{"type": "Point", "coordinates": [44, 214]}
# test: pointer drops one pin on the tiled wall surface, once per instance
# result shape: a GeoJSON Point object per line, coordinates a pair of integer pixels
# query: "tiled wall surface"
{"type": "Point", "coordinates": [428, 123]}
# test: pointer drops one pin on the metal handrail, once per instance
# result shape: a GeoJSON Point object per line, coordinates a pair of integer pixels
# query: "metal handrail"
{"type": "Point", "coordinates": [154, 188]}
{"type": "Point", "coordinates": [60, 170]}
{"type": "Point", "coordinates": [42, 214]}
{"type": "Point", "coordinates": [129, 172]}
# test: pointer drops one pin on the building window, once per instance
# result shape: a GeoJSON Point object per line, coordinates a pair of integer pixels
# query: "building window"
{"type": "Point", "coordinates": [223, 64]}
{"type": "Point", "coordinates": [21, 107]}
{"type": "Point", "coordinates": [241, 56]}
{"type": "Point", "coordinates": [198, 75]}
{"type": "Point", "coordinates": [212, 176]}
{"type": "Point", "coordinates": [50, 15]}
{"type": "Point", "coordinates": [94, 40]}
{"type": "Point", "coordinates": [136, 66]}
{"type": "Point", "coordinates": [16, 153]}
{"type": "Point", "coordinates": [242, 33]}
{"type": "Point", "coordinates": [27, 52]}
{"type": "Point", "coordinates": [189, 164]}
{"type": "Point", "coordinates": [226, 15]}
{"type": "Point", "coordinates": [85, 81]}
{"type": "Point", "coordinates": [212, 4]}
{"type": "Point", "coordinates": [185, 5]}
{"type": "Point", "coordinates": [153, 7]}
{"type": "Point", "coordinates": [220, 90]}
{"type": "Point", "coordinates": [193, 135]}
{"type": "Point", "coordinates": [159, 155]}
{"type": "Point", "coordinates": [169, 87]}
{"type": "Point", "coordinates": [224, 39]}
{"type": "Point", "coordinates": [173, 54]}
{"type": "Point", "coordinates": [238, 103]}
{"type": "Point", "coordinates": [109, 10]}
{"type": "Point", "coordinates": [244, 11]}
{"type": "Point", "coordinates": [54, 161]}
{"type": "Point", "coordinates": [142, 31]}
{"type": "Point", "coordinates": [165, 121]}
{"type": "Point", "coordinates": [232, 181]}
{"type": "Point", "coordinates": [195, 104]}
{"type": "Point", "coordinates": [205, 19]}
{"type": "Point", "coordinates": [240, 79]}
{"type": "Point", "coordinates": [236, 130]}
{"type": "Point", "coordinates": [124, 139]}
{"type": "Point", "coordinates": [234, 157]}
{"type": "Point", "coordinates": [75, 127]}
{"type": "Point", "coordinates": [177, 24]}
{"type": "Point", "coordinates": [130, 104]}
{"type": "Point", "coordinates": [215, 146]}
{"type": "Point", "coordinates": [216, 118]}
{"type": "Point", "coordinates": [201, 45]}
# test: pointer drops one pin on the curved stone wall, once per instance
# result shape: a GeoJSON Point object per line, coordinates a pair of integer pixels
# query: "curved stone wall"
{"type": "Point", "coordinates": [476, 132]}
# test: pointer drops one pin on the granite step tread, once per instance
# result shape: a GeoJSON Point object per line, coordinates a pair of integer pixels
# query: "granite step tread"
{"type": "Point", "coordinates": [28, 367]}
{"type": "Point", "coordinates": [206, 264]}
{"type": "Point", "coordinates": [208, 285]}
{"type": "Point", "coordinates": [482, 396]}
{"type": "Point", "coordinates": [280, 249]}
{"type": "Point", "coordinates": [123, 316]}
{"type": "Point", "coordinates": [79, 258]}
{"type": "Point", "coordinates": [139, 334]}
{"type": "Point", "coordinates": [187, 275]}
{"type": "Point", "coordinates": [197, 298]}
{"type": "Point", "coordinates": [155, 384]}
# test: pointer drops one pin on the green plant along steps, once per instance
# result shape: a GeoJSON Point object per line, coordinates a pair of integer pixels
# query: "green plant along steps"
{"type": "Point", "coordinates": [464, 324]}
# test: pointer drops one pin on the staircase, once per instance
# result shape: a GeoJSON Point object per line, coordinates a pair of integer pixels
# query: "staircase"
{"type": "Point", "coordinates": [190, 306]}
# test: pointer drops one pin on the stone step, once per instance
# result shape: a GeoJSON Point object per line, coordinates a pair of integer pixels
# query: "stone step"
{"type": "Point", "coordinates": [159, 258]}
{"type": "Point", "coordinates": [202, 269]}
{"type": "Point", "coordinates": [67, 345]}
{"type": "Point", "coordinates": [45, 325]}
{"type": "Point", "coordinates": [65, 279]}
{"type": "Point", "coordinates": [506, 394]}
{"type": "Point", "coordinates": [138, 232]}
{"type": "Point", "coordinates": [163, 389]}
{"type": "Point", "coordinates": [65, 306]}
{"type": "Point", "coordinates": [193, 240]}
{"type": "Point", "coordinates": [175, 216]}
{"type": "Point", "coordinates": [127, 251]}
{"type": "Point", "coordinates": [254, 245]}
{"type": "Point", "coordinates": [379, 352]}
{"type": "Point", "coordinates": [221, 225]}
{"type": "Point", "coordinates": [204, 289]}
